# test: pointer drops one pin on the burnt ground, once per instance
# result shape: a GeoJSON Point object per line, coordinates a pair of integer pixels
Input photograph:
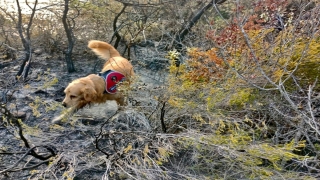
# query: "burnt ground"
{"type": "Point", "coordinates": [37, 100]}
{"type": "Point", "coordinates": [48, 77]}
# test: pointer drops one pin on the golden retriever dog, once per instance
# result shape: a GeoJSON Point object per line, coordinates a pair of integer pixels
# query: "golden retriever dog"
{"type": "Point", "coordinates": [98, 88]}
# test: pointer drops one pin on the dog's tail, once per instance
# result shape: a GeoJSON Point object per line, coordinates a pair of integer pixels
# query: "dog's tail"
{"type": "Point", "coordinates": [103, 49]}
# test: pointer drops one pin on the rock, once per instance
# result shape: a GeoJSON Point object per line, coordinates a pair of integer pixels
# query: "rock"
{"type": "Point", "coordinates": [38, 51]}
{"type": "Point", "coordinates": [35, 73]}
{"type": "Point", "coordinates": [19, 114]}
{"type": "Point", "coordinates": [40, 91]}
{"type": "Point", "coordinates": [130, 120]}
{"type": "Point", "coordinates": [90, 121]}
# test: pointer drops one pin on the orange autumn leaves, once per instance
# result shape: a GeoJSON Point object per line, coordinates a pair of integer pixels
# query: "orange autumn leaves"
{"type": "Point", "coordinates": [204, 66]}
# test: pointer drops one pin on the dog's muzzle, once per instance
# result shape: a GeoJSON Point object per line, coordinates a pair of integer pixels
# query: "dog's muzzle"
{"type": "Point", "coordinates": [64, 104]}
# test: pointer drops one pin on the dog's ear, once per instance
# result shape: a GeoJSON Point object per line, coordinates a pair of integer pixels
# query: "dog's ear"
{"type": "Point", "coordinates": [89, 94]}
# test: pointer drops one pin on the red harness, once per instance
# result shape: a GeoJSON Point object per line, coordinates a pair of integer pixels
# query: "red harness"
{"type": "Point", "coordinates": [112, 78]}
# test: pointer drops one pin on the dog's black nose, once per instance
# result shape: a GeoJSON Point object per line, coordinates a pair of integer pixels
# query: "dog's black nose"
{"type": "Point", "coordinates": [64, 104]}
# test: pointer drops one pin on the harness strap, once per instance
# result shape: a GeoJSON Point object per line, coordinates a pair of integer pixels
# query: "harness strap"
{"type": "Point", "coordinates": [111, 79]}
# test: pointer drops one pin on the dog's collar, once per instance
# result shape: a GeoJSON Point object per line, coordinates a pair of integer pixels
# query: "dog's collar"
{"type": "Point", "coordinates": [111, 79]}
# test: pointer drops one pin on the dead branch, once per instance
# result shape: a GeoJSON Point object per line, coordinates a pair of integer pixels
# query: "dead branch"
{"type": "Point", "coordinates": [52, 150]}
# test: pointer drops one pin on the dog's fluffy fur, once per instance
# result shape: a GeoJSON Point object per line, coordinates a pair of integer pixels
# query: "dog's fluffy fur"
{"type": "Point", "coordinates": [90, 89]}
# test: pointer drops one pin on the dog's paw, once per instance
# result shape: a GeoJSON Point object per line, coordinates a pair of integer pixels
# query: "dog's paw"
{"type": "Point", "coordinates": [63, 117]}
{"type": "Point", "coordinates": [57, 120]}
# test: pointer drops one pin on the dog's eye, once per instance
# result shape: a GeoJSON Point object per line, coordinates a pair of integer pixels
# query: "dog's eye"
{"type": "Point", "coordinates": [72, 96]}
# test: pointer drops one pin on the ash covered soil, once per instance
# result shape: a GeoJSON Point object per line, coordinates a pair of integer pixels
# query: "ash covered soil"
{"type": "Point", "coordinates": [37, 100]}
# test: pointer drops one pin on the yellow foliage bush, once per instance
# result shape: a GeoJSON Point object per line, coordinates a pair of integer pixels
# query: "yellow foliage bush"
{"type": "Point", "coordinates": [254, 159]}
{"type": "Point", "coordinates": [243, 96]}
{"type": "Point", "coordinates": [205, 79]}
{"type": "Point", "coordinates": [208, 79]}
{"type": "Point", "coordinates": [283, 59]}
{"type": "Point", "coordinates": [300, 58]}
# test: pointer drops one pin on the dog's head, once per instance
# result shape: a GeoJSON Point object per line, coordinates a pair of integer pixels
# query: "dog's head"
{"type": "Point", "coordinates": [78, 94]}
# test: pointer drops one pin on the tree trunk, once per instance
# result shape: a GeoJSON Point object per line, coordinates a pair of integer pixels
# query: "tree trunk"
{"type": "Point", "coordinates": [25, 67]}
{"type": "Point", "coordinates": [70, 37]}
{"type": "Point", "coordinates": [116, 29]}
{"type": "Point", "coordinates": [177, 44]}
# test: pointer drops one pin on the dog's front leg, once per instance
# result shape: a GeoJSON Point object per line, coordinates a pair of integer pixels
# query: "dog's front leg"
{"type": "Point", "coordinates": [64, 115]}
